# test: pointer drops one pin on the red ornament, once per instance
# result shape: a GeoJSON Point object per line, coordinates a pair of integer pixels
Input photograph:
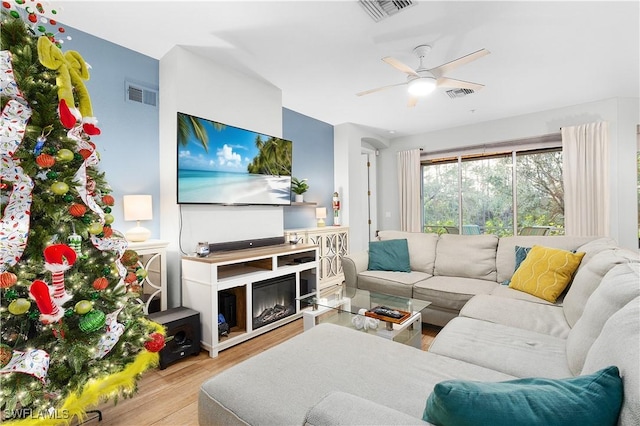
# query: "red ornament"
{"type": "Point", "coordinates": [85, 153]}
{"type": "Point", "coordinates": [100, 283]}
{"type": "Point", "coordinates": [156, 343]}
{"type": "Point", "coordinates": [77, 210]}
{"type": "Point", "coordinates": [45, 161]}
{"type": "Point", "coordinates": [108, 200]}
{"type": "Point", "coordinates": [107, 231]}
{"type": "Point", "coordinates": [8, 279]}
{"type": "Point", "coordinates": [131, 278]}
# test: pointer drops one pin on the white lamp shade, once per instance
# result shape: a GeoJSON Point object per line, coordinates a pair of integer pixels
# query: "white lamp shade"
{"type": "Point", "coordinates": [321, 212]}
{"type": "Point", "coordinates": [137, 207]}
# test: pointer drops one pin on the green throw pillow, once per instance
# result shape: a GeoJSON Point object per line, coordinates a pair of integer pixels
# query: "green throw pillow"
{"type": "Point", "coordinates": [593, 399]}
{"type": "Point", "coordinates": [521, 254]}
{"type": "Point", "coordinates": [389, 255]}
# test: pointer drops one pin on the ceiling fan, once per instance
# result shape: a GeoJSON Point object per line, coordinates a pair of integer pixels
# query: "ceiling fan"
{"type": "Point", "coordinates": [423, 81]}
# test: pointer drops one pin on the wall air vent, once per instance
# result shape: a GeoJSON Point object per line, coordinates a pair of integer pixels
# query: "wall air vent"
{"type": "Point", "coordinates": [138, 93]}
{"type": "Point", "coordinates": [459, 93]}
{"type": "Point", "coordinates": [381, 9]}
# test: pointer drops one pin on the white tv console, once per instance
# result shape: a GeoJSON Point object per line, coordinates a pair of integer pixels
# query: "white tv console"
{"type": "Point", "coordinates": [234, 272]}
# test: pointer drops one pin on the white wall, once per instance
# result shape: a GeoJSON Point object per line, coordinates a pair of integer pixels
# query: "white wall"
{"type": "Point", "coordinates": [197, 86]}
{"type": "Point", "coordinates": [622, 114]}
{"type": "Point", "coordinates": [349, 141]}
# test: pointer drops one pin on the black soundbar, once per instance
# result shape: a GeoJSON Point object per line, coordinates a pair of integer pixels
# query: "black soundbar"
{"type": "Point", "coordinates": [245, 244]}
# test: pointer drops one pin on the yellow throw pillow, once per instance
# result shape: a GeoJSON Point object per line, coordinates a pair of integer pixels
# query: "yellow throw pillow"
{"type": "Point", "coordinates": [546, 272]}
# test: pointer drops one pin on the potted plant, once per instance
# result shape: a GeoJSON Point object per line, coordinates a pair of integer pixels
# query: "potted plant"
{"type": "Point", "coordinates": [299, 187]}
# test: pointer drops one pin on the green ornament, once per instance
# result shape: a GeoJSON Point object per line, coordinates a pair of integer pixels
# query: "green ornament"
{"type": "Point", "coordinates": [107, 209]}
{"type": "Point", "coordinates": [59, 188]}
{"type": "Point", "coordinates": [94, 295]}
{"type": "Point", "coordinates": [33, 315]}
{"type": "Point", "coordinates": [92, 321]}
{"type": "Point", "coordinates": [77, 156]}
{"type": "Point", "coordinates": [68, 313]}
{"type": "Point", "coordinates": [19, 306]}
{"type": "Point", "coordinates": [52, 175]}
{"type": "Point", "coordinates": [86, 219]}
{"type": "Point", "coordinates": [83, 307]}
{"type": "Point", "coordinates": [10, 294]}
{"type": "Point", "coordinates": [64, 155]}
{"type": "Point", "coordinates": [68, 198]}
{"type": "Point", "coordinates": [106, 271]}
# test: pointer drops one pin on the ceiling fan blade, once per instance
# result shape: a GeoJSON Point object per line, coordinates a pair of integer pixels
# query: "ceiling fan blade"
{"type": "Point", "coordinates": [449, 66]}
{"type": "Point", "coordinates": [377, 89]}
{"type": "Point", "coordinates": [399, 65]}
{"type": "Point", "coordinates": [460, 84]}
{"type": "Point", "coordinates": [413, 100]}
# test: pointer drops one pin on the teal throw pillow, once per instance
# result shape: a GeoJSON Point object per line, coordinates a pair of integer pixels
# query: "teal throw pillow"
{"type": "Point", "coordinates": [389, 255]}
{"type": "Point", "coordinates": [593, 399]}
{"type": "Point", "coordinates": [521, 254]}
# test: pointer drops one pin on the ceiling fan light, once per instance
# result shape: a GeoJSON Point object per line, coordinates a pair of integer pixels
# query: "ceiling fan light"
{"type": "Point", "coordinates": [422, 86]}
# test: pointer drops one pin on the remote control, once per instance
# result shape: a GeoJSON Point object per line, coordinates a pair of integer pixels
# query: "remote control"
{"type": "Point", "coordinates": [388, 312]}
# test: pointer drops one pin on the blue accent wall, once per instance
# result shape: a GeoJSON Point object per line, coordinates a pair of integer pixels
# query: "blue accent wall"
{"type": "Point", "coordinates": [313, 160]}
{"type": "Point", "coordinates": [128, 144]}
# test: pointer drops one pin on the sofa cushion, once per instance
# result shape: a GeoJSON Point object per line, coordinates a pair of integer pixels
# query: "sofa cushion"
{"type": "Point", "coordinates": [390, 255]}
{"type": "Point", "coordinates": [451, 292]}
{"type": "Point", "coordinates": [422, 248]}
{"type": "Point", "coordinates": [589, 276]}
{"type": "Point", "coordinates": [394, 283]}
{"type": "Point", "coordinates": [546, 272]}
{"type": "Point", "coordinates": [509, 293]}
{"type": "Point", "coordinates": [619, 344]}
{"type": "Point", "coordinates": [511, 350]}
{"type": "Point", "coordinates": [468, 256]}
{"type": "Point", "coordinates": [618, 287]}
{"type": "Point", "coordinates": [341, 408]}
{"type": "Point", "coordinates": [538, 317]}
{"type": "Point", "coordinates": [274, 386]}
{"type": "Point", "coordinates": [505, 260]}
{"type": "Point", "coordinates": [593, 399]}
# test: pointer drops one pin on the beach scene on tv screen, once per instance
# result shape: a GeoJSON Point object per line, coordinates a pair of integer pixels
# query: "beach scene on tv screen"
{"type": "Point", "coordinates": [223, 164]}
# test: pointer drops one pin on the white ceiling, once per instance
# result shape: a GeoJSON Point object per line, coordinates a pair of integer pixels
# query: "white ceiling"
{"type": "Point", "coordinates": [544, 55]}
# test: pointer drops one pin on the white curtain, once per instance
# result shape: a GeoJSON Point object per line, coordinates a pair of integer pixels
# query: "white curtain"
{"type": "Point", "coordinates": [585, 170]}
{"type": "Point", "coordinates": [409, 182]}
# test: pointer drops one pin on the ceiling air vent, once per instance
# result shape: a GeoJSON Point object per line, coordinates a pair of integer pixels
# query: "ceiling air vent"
{"type": "Point", "coordinates": [381, 9]}
{"type": "Point", "coordinates": [459, 93]}
{"type": "Point", "coordinates": [141, 94]}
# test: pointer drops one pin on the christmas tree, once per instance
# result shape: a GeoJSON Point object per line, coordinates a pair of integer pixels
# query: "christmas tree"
{"type": "Point", "coordinates": [72, 333]}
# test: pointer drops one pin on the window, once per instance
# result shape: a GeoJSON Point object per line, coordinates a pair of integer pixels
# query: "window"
{"type": "Point", "coordinates": [475, 193]}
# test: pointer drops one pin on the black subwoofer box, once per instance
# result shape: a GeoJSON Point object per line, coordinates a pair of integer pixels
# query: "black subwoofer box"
{"type": "Point", "coordinates": [183, 326]}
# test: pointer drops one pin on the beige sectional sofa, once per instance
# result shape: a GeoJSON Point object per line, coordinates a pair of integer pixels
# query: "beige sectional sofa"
{"type": "Point", "coordinates": [338, 375]}
{"type": "Point", "coordinates": [448, 270]}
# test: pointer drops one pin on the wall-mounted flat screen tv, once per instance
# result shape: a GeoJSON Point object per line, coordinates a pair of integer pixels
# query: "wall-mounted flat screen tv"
{"type": "Point", "coordinates": [223, 164]}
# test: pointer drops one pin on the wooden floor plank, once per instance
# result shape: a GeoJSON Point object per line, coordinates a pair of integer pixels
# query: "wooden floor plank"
{"type": "Point", "coordinates": [169, 397]}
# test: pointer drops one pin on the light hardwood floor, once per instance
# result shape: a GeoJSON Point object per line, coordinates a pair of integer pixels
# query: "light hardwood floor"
{"type": "Point", "coordinates": [170, 396]}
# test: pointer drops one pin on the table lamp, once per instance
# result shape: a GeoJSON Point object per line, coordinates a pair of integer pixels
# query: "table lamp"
{"type": "Point", "coordinates": [321, 214]}
{"type": "Point", "coordinates": [137, 207]}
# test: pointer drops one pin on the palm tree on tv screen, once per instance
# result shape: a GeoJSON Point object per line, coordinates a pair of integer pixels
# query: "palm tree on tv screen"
{"type": "Point", "coordinates": [189, 125]}
{"type": "Point", "coordinates": [274, 157]}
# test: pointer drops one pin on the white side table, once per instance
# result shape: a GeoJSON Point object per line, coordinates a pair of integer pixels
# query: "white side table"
{"type": "Point", "coordinates": [153, 258]}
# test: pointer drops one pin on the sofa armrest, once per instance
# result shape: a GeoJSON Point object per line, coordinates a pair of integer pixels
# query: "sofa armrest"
{"type": "Point", "coordinates": [352, 265]}
{"type": "Point", "coordinates": [341, 408]}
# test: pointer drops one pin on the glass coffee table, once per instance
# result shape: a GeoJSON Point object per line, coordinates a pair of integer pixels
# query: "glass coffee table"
{"type": "Point", "coordinates": [354, 308]}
